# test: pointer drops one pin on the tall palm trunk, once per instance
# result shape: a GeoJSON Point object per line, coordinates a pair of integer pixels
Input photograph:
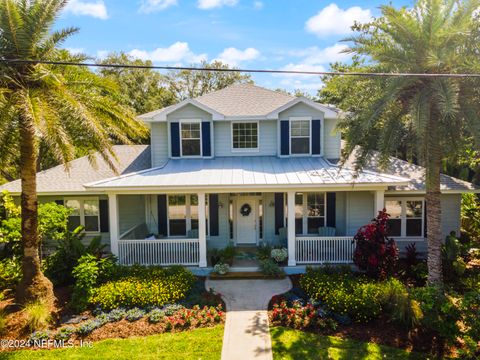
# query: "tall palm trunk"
{"type": "Point", "coordinates": [34, 285]}
{"type": "Point", "coordinates": [433, 201]}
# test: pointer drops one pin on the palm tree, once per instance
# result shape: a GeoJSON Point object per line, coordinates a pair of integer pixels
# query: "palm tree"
{"type": "Point", "coordinates": [433, 37]}
{"type": "Point", "coordinates": [59, 106]}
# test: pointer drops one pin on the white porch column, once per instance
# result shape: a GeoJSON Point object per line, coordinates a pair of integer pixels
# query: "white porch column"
{"type": "Point", "coordinates": [202, 235]}
{"type": "Point", "coordinates": [379, 201]}
{"type": "Point", "coordinates": [291, 228]}
{"type": "Point", "coordinates": [113, 218]}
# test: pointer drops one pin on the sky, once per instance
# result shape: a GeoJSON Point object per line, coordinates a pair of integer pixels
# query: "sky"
{"type": "Point", "coordinates": [266, 34]}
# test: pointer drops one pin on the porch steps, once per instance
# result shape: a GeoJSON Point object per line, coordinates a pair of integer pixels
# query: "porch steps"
{"type": "Point", "coordinates": [244, 275]}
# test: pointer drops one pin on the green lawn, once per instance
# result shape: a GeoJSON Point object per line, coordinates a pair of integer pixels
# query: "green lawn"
{"type": "Point", "coordinates": [197, 344]}
{"type": "Point", "coordinates": [296, 344]}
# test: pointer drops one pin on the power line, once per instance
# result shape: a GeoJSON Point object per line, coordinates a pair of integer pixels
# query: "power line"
{"type": "Point", "coordinates": [270, 71]}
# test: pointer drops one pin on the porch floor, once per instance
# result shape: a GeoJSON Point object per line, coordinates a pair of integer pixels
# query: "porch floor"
{"type": "Point", "coordinates": [245, 257]}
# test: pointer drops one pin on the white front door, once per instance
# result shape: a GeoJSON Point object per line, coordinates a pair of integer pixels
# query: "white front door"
{"type": "Point", "coordinates": [246, 219]}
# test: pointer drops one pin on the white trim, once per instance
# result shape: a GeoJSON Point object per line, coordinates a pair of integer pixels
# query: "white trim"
{"type": "Point", "coordinates": [161, 115]}
{"type": "Point", "coordinates": [403, 217]}
{"type": "Point", "coordinates": [254, 199]}
{"type": "Point", "coordinates": [299, 118]}
{"type": "Point", "coordinates": [202, 237]}
{"type": "Point", "coordinates": [190, 121]}
{"type": "Point", "coordinates": [247, 150]}
{"type": "Point", "coordinates": [328, 112]}
{"type": "Point", "coordinates": [82, 210]}
{"type": "Point", "coordinates": [305, 216]}
{"type": "Point", "coordinates": [291, 238]}
{"type": "Point", "coordinates": [114, 226]}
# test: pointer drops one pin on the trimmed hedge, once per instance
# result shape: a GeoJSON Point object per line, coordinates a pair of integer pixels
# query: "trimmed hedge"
{"type": "Point", "coordinates": [144, 288]}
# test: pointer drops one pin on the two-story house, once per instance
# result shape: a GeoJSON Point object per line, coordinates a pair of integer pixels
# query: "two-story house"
{"type": "Point", "coordinates": [242, 165]}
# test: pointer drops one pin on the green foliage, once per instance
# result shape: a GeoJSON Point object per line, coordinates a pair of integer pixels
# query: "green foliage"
{"type": "Point", "coordinates": [64, 333]}
{"type": "Point", "coordinates": [38, 315]}
{"type": "Point", "coordinates": [155, 288]}
{"type": "Point", "coordinates": [270, 268]}
{"type": "Point", "coordinates": [453, 264]}
{"type": "Point", "coordinates": [224, 255]}
{"type": "Point", "coordinates": [470, 211]}
{"type": "Point", "coordinates": [10, 273]}
{"type": "Point", "coordinates": [3, 322]}
{"type": "Point", "coordinates": [470, 309]}
{"type": "Point", "coordinates": [263, 251]}
{"type": "Point", "coordinates": [59, 265]}
{"type": "Point", "coordinates": [155, 315]}
{"type": "Point", "coordinates": [134, 314]}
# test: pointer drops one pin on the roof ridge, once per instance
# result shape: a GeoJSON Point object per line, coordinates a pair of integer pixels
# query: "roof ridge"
{"type": "Point", "coordinates": [245, 84]}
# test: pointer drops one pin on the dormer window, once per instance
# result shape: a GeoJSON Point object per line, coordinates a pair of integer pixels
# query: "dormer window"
{"type": "Point", "coordinates": [191, 142]}
{"type": "Point", "coordinates": [300, 136]}
{"type": "Point", "coordinates": [245, 136]}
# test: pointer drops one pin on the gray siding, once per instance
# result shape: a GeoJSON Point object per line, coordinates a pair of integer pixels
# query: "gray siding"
{"type": "Point", "coordinates": [223, 238]}
{"type": "Point", "coordinates": [159, 143]}
{"type": "Point", "coordinates": [269, 218]}
{"type": "Point", "coordinates": [189, 112]}
{"type": "Point", "coordinates": [131, 211]}
{"type": "Point", "coordinates": [359, 210]}
{"type": "Point", "coordinates": [340, 213]}
{"type": "Point", "coordinates": [301, 109]}
{"type": "Point", "coordinates": [332, 140]}
{"type": "Point", "coordinates": [451, 204]}
{"type": "Point", "coordinates": [267, 139]}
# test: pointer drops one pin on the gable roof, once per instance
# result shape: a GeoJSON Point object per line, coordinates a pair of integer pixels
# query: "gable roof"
{"type": "Point", "coordinates": [241, 101]}
{"type": "Point", "coordinates": [131, 158]}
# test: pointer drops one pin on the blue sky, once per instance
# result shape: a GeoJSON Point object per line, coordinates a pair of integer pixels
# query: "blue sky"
{"type": "Point", "coordinates": [274, 34]}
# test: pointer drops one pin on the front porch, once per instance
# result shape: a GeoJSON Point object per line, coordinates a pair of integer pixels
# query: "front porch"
{"type": "Point", "coordinates": [316, 227]}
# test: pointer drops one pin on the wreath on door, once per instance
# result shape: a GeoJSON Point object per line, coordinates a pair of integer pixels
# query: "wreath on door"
{"type": "Point", "coordinates": [245, 210]}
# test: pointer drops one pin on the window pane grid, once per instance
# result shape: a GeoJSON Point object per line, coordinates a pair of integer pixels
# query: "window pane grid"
{"type": "Point", "coordinates": [245, 135]}
{"type": "Point", "coordinates": [191, 134]}
{"type": "Point", "coordinates": [406, 217]}
{"type": "Point", "coordinates": [300, 137]}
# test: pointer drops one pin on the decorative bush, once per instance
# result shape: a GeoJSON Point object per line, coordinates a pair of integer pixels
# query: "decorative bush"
{"type": "Point", "coordinates": [38, 315]}
{"type": "Point", "coordinates": [156, 315]}
{"type": "Point", "coordinates": [301, 317]}
{"type": "Point", "coordinates": [221, 268]}
{"type": "Point", "coordinates": [39, 335]}
{"type": "Point", "coordinates": [270, 268]}
{"type": "Point", "coordinates": [151, 289]}
{"type": "Point", "coordinates": [64, 333]}
{"type": "Point", "coordinates": [279, 255]}
{"type": "Point", "coordinates": [116, 315]}
{"type": "Point", "coordinates": [134, 314]}
{"type": "Point", "coordinates": [375, 252]}
{"type": "Point", "coordinates": [171, 309]}
{"type": "Point", "coordinates": [87, 327]}
{"type": "Point", "coordinates": [10, 273]}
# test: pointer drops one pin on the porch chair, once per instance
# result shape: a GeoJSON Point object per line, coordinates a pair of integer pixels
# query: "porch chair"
{"type": "Point", "coordinates": [283, 236]}
{"type": "Point", "coordinates": [326, 231]}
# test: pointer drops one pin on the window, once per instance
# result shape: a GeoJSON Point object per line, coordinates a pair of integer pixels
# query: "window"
{"type": "Point", "coordinates": [183, 214]}
{"type": "Point", "coordinates": [245, 136]}
{"type": "Point", "coordinates": [191, 138]}
{"type": "Point", "coordinates": [85, 212]}
{"type": "Point", "coordinates": [309, 212]}
{"type": "Point", "coordinates": [299, 137]}
{"type": "Point", "coordinates": [406, 217]}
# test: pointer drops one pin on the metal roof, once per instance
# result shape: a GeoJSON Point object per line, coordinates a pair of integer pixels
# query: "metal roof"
{"type": "Point", "coordinates": [247, 171]}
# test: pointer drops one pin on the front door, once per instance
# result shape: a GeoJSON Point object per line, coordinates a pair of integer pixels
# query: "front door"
{"type": "Point", "coordinates": [246, 219]}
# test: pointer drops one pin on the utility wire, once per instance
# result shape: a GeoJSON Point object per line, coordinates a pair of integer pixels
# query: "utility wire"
{"type": "Point", "coordinates": [298, 72]}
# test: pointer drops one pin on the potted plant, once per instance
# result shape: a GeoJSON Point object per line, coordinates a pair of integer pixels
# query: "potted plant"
{"type": "Point", "coordinates": [221, 268]}
{"type": "Point", "coordinates": [279, 255]}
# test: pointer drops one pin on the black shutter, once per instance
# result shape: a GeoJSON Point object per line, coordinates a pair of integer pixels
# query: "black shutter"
{"type": "Point", "coordinates": [104, 223]}
{"type": "Point", "coordinates": [206, 141]}
{"type": "Point", "coordinates": [279, 210]}
{"type": "Point", "coordinates": [331, 206]}
{"type": "Point", "coordinates": [175, 138]}
{"type": "Point", "coordinates": [59, 202]}
{"type": "Point", "coordinates": [162, 215]}
{"type": "Point", "coordinates": [213, 214]}
{"type": "Point", "coordinates": [316, 134]}
{"type": "Point", "coordinates": [284, 137]}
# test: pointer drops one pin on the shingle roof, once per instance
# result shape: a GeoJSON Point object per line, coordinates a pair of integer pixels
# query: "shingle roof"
{"type": "Point", "coordinates": [56, 180]}
{"type": "Point", "coordinates": [414, 172]}
{"type": "Point", "coordinates": [245, 171]}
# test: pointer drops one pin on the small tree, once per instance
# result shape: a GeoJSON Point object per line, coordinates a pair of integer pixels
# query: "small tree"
{"type": "Point", "coordinates": [375, 252]}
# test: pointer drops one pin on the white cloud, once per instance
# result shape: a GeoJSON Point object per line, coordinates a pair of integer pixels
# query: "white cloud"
{"type": "Point", "coordinates": [102, 54]}
{"type": "Point", "coordinates": [234, 56]}
{"type": "Point", "coordinates": [211, 4]}
{"type": "Point", "coordinates": [75, 51]}
{"type": "Point", "coordinates": [332, 20]}
{"type": "Point", "coordinates": [315, 55]}
{"type": "Point", "coordinates": [149, 6]}
{"type": "Point", "coordinates": [258, 5]}
{"type": "Point", "coordinates": [95, 9]}
{"type": "Point", "coordinates": [177, 53]}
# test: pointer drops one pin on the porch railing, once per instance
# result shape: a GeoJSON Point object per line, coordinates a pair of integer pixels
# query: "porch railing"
{"type": "Point", "coordinates": [159, 252]}
{"type": "Point", "coordinates": [324, 249]}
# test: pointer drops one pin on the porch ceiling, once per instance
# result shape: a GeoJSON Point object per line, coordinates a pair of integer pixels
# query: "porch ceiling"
{"type": "Point", "coordinates": [247, 171]}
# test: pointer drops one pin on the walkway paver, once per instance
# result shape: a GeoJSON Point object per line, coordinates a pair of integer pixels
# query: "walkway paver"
{"type": "Point", "coordinates": [247, 334]}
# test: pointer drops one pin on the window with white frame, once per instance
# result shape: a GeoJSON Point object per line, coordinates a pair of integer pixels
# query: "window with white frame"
{"type": "Point", "coordinates": [244, 136]}
{"type": "Point", "coordinates": [310, 212]}
{"type": "Point", "coordinates": [406, 217]}
{"type": "Point", "coordinates": [299, 136]}
{"type": "Point", "coordinates": [85, 212]}
{"type": "Point", "coordinates": [183, 214]}
{"type": "Point", "coordinates": [191, 138]}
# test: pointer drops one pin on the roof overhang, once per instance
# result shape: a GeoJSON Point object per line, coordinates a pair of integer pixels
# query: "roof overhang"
{"type": "Point", "coordinates": [328, 112]}
{"type": "Point", "coordinates": [161, 115]}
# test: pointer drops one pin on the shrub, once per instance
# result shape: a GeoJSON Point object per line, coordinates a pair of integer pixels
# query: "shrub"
{"type": "Point", "coordinates": [264, 251]}
{"type": "Point", "coordinates": [470, 310]}
{"type": "Point", "coordinates": [375, 252]}
{"type": "Point", "coordinates": [224, 255]}
{"type": "Point", "coordinates": [3, 321]}
{"type": "Point", "coordinates": [116, 315]}
{"type": "Point", "coordinates": [10, 273]}
{"type": "Point", "coordinates": [470, 212]}
{"type": "Point", "coordinates": [134, 314]}
{"type": "Point", "coordinates": [270, 268]}
{"type": "Point", "coordinates": [87, 327]}
{"type": "Point", "coordinates": [38, 315]}
{"type": "Point", "coordinates": [199, 296]}
{"type": "Point", "coordinates": [221, 268]}
{"type": "Point", "coordinates": [453, 264]}
{"type": "Point", "coordinates": [171, 309]}
{"type": "Point", "coordinates": [156, 315]}
{"type": "Point", "coordinates": [64, 333]}
{"type": "Point", "coordinates": [39, 335]}
{"type": "Point", "coordinates": [154, 288]}
{"type": "Point", "coordinates": [279, 255]}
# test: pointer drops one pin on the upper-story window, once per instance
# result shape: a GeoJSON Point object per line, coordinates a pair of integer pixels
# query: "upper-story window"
{"type": "Point", "coordinates": [406, 217]}
{"type": "Point", "coordinates": [191, 143]}
{"type": "Point", "coordinates": [300, 136]}
{"type": "Point", "coordinates": [244, 136]}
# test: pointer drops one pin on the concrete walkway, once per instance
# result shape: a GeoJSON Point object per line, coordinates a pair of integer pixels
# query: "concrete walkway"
{"type": "Point", "coordinates": [247, 334]}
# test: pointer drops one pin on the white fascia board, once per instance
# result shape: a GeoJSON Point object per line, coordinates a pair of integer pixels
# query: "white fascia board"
{"type": "Point", "coordinates": [162, 115]}
{"type": "Point", "coordinates": [328, 113]}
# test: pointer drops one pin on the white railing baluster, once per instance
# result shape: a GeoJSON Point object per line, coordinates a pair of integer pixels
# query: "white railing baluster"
{"type": "Point", "coordinates": [323, 249]}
